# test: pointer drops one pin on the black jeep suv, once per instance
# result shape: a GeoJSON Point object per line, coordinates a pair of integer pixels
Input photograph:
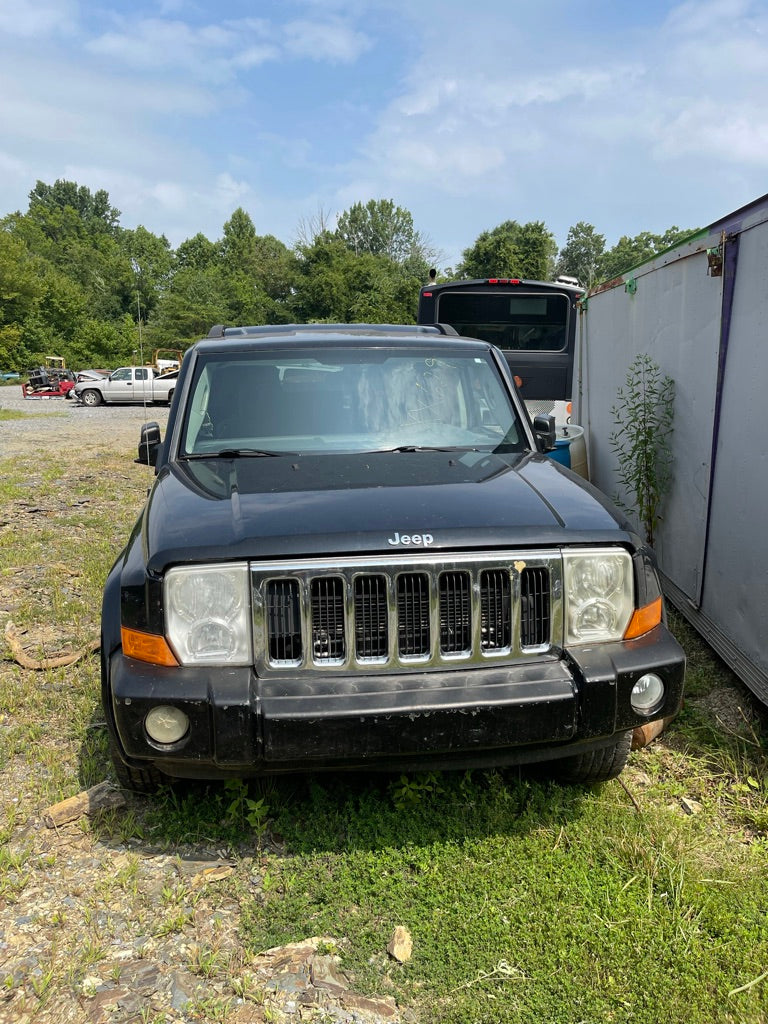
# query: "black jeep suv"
{"type": "Point", "coordinates": [356, 554]}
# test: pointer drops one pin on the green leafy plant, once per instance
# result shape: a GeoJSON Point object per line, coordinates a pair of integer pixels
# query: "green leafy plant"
{"type": "Point", "coordinates": [244, 809]}
{"type": "Point", "coordinates": [643, 415]}
{"type": "Point", "coordinates": [409, 791]}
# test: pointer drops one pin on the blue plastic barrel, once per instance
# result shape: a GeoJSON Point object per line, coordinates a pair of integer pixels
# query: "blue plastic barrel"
{"type": "Point", "coordinates": [562, 452]}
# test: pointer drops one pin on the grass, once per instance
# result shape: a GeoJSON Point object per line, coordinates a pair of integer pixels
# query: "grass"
{"type": "Point", "coordinates": [526, 902]}
{"type": "Point", "coordinates": [642, 900]}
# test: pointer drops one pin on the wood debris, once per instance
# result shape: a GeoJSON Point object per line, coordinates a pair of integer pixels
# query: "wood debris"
{"type": "Point", "coordinates": [22, 658]}
{"type": "Point", "coordinates": [98, 798]}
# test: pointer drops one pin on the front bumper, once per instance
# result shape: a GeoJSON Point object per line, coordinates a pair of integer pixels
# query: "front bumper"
{"type": "Point", "coordinates": [536, 710]}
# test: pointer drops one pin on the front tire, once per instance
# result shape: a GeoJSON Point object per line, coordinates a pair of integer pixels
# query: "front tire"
{"type": "Point", "coordinates": [595, 765]}
{"type": "Point", "coordinates": [142, 781]}
{"type": "Point", "coordinates": [91, 398]}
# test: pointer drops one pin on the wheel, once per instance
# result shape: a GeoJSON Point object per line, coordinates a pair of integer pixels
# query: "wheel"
{"type": "Point", "coordinates": [136, 780]}
{"type": "Point", "coordinates": [594, 765]}
{"type": "Point", "coordinates": [91, 398]}
{"type": "Point", "coordinates": [170, 396]}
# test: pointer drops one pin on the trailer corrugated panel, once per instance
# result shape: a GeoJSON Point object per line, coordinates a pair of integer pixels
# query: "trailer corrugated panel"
{"type": "Point", "coordinates": [709, 332]}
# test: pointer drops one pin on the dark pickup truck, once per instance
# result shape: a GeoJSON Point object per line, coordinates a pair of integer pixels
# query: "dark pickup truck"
{"type": "Point", "coordinates": [356, 554]}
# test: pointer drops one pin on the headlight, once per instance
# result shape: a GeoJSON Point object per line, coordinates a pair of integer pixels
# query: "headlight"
{"type": "Point", "coordinates": [207, 614]}
{"type": "Point", "coordinates": [599, 595]}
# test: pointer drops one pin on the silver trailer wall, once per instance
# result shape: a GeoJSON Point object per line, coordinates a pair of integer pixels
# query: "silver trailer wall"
{"type": "Point", "coordinates": [701, 312]}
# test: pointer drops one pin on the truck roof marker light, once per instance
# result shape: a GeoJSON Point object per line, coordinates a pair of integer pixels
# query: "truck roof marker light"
{"type": "Point", "coordinates": [147, 647]}
{"type": "Point", "coordinates": [644, 620]}
{"type": "Point", "coordinates": [427, 295]}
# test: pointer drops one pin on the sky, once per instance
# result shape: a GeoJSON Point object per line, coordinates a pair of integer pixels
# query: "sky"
{"type": "Point", "coordinates": [629, 116]}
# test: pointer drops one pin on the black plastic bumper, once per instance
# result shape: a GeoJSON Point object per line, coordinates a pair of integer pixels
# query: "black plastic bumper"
{"type": "Point", "coordinates": [546, 708]}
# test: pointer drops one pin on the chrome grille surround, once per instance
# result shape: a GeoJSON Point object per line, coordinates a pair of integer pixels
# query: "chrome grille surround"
{"type": "Point", "coordinates": [395, 614]}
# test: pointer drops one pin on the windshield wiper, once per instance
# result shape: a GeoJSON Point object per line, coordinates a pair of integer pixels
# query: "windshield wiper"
{"type": "Point", "coordinates": [426, 448]}
{"type": "Point", "coordinates": [237, 453]}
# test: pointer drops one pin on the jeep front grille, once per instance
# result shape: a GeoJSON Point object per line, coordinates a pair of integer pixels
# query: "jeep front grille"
{"type": "Point", "coordinates": [388, 614]}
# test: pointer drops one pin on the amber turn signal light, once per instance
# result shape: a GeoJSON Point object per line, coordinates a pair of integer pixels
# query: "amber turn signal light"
{"type": "Point", "coordinates": [644, 619]}
{"type": "Point", "coordinates": [147, 647]}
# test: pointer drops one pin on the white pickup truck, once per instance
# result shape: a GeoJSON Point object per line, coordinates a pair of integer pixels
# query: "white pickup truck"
{"type": "Point", "coordinates": [128, 384]}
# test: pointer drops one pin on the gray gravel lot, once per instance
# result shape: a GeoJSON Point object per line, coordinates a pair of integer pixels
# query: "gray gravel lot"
{"type": "Point", "coordinates": [63, 421]}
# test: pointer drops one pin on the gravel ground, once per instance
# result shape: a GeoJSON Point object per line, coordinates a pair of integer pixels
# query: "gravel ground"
{"type": "Point", "coordinates": [70, 422]}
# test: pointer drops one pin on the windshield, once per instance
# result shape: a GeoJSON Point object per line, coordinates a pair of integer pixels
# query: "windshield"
{"type": "Point", "coordinates": [369, 400]}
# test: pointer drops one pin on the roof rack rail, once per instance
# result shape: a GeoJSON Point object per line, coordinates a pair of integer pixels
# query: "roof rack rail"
{"type": "Point", "coordinates": [221, 331]}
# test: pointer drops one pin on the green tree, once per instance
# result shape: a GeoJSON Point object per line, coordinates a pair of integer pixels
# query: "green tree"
{"type": "Point", "coordinates": [382, 229]}
{"type": "Point", "coordinates": [193, 303]}
{"type": "Point", "coordinates": [145, 271]}
{"type": "Point", "coordinates": [511, 250]}
{"type": "Point", "coordinates": [275, 268]}
{"type": "Point", "coordinates": [629, 252]}
{"type": "Point", "coordinates": [105, 344]}
{"type": "Point", "coordinates": [334, 285]}
{"type": "Point", "coordinates": [258, 273]}
{"type": "Point", "coordinates": [238, 244]}
{"type": "Point", "coordinates": [14, 355]}
{"type": "Point", "coordinates": [49, 204]}
{"type": "Point", "coordinates": [196, 253]}
{"type": "Point", "coordinates": [581, 255]}
{"type": "Point", "coordinates": [20, 285]}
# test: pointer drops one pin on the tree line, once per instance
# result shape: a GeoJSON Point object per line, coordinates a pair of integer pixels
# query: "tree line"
{"type": "Point", "coordinates": [75, 283]}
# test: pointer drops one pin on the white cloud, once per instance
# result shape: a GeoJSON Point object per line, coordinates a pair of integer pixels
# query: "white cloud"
{"type": "Point", "coordinates": [692, 87]}
{"type": "Point", "coordinates": [207, 52]}
{"type": "Point", "coordinates": [332, 40]}
{"type": "Point", "coordinates": [171, 196]}
{"type": "Point", "coordinates": [701, 17]}
{"type": "Point", "coordinates": [709, 130]}
{"type": "Point", "coordinates": [217, 51]}
{"type": "Point", "coordinates": [33, 20]}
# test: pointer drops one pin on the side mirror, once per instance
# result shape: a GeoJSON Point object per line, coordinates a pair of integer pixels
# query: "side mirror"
{"type": "Point", "coordinates": [149, 444]}
{"type": "Point", "coordinates": [545, 431]}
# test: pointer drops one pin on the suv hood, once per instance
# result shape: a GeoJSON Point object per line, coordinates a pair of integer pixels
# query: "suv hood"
{"type": "Point", "coordinates": [385, 502]}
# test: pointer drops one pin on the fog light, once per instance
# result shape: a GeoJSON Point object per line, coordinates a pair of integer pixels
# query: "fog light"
{"type": "Point", "coordinates": [165, 724]}
{"type": "Point", "coordinates": [647, 694]}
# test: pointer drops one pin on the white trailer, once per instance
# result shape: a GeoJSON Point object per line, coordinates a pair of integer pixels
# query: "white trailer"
{"type": "Point", "coordinates": [700, 311]}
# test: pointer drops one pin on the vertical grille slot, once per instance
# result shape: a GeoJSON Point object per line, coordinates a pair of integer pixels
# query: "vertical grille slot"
{"type": "Point", "coordinates": [413, 614]}
{"type": "Point", "coordinates": [535, 610]}
{"type": "Point", "coordinates": [455, 613]}
{"type": "Point", "coordinates": [328, 640]}
{"type": "Point", "coordinates": [283, 621]}
{"type": "Point", "coordinates": [371, 617]}
{"type": "Point", "coordinates": [495, 610]}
